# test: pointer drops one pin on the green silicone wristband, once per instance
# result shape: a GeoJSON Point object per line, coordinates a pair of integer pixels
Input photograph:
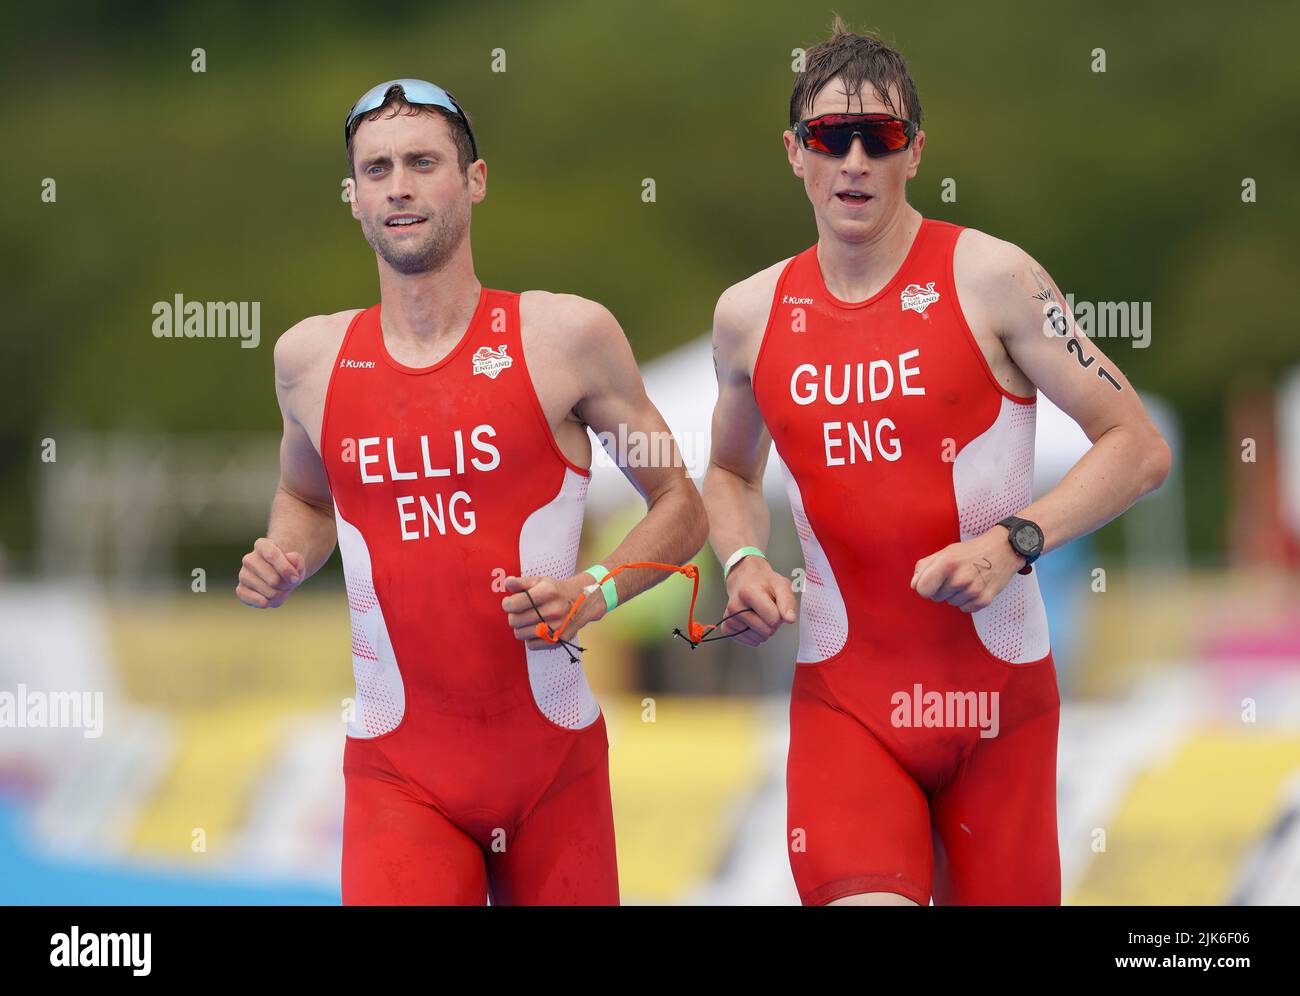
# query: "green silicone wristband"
{"type": "Point", "coordinates": [739, 555]}
{"type": "Point", "coordinates": [607, 588]}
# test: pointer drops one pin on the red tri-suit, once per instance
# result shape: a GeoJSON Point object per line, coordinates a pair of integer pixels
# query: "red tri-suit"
{"type": "Point", "coordinates": [474, 766]}
{"type": "Point", "coordinates": [922, 738]}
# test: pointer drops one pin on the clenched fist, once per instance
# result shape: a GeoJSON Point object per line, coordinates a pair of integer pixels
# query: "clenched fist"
{"type": "Point", "coordinates": [970, 574]}
{"type": "Point", "coordinates": [754, 585]}
{"type": "Point", "coordinates": [553, 598]}
{"type": "Point", "coordinates": [268, 575]}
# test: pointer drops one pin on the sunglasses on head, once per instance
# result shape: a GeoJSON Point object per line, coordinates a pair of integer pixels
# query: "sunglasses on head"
{"type": "Point", "coordinates": [413, 92]}
{"type": "Point", "coordinates": [832, 134]}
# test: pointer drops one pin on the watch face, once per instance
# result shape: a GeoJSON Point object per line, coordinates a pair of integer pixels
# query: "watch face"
{"type": "Point", "coordinates": [1026, 539]}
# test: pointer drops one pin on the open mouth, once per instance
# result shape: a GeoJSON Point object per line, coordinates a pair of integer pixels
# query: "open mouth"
{"type": "Point", "coordinates": [853, 197]}
{"type": "Point", "coordinates": [404, 221]}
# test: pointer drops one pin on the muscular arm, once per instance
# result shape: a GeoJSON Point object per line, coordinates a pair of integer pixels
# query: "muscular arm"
{"type": "Point", "coordinates": [739, 443]}
{"type": "Point", "coordinates": [301, 534]}
{"type": "Point", "coordinates": [1007, 292]}
{"type": "Point", "coordinates": [1128, 457]}
{"type": "Point", "coordinates": [674, 527]}
{"type": "Point", "coordinates": [760, 598]}
{"type": "Point", "coordinates": [611, 394]}
{"type": "Point", "coordinates": [302, 512]}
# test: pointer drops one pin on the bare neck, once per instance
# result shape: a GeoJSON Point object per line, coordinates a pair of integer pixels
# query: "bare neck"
{"type": "Point", "coordinates": [854, 271]}
{"type": "Point", "coordinates": [424, 311]}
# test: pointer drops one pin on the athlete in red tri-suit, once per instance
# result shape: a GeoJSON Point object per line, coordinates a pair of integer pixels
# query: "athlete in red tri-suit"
{"type": "Point", "coordinates": [441, 437]}
{"type": "Point", "coordinates": [895, 366]}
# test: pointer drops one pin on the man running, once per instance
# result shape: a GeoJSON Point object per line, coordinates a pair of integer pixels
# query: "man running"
{"type": "Point", "coordinates": [895, 365]}
{"type": "Point", "coordinates": [441, 437]}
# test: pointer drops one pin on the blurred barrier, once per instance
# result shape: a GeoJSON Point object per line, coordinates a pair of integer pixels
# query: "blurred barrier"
{"type": "Point", "coordinates": [217, 777]}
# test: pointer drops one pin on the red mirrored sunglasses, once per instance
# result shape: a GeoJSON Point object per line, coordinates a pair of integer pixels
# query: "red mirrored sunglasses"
{"type": "Point", "coordinates": [832, 134]}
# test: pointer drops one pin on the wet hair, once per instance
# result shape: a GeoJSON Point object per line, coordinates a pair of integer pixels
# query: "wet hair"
{"type": "Point", "coordinates": [858, 60]}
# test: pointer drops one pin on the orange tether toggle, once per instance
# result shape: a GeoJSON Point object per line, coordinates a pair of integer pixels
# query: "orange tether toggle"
{"type": "Point", "coordinates": [696, 630]}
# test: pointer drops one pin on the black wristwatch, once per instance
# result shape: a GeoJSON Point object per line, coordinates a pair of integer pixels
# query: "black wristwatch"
{"type": "Point", "coordinates": [1026, 539]}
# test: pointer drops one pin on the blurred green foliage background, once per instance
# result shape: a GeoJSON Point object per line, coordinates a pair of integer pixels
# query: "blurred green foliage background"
{"type": "Point", "coordinates": [225, 185]}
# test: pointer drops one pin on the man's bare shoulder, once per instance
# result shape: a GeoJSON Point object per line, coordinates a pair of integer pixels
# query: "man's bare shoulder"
{"type": "Point", "coordinates": [305, 346]}
{"type": "Point", "coordinates": [568, 323]}
{"type": "Point", "coordinates": [741, 313]}
{"type": "Point", "coordinates": [989, 267]}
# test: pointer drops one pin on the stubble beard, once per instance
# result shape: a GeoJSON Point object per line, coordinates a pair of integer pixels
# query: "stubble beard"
{"type": "Point", "coordinates": [446, 231]}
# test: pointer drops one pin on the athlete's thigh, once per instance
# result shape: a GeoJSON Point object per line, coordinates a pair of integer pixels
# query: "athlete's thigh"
{"type": "Point", "coordinates": [857, 822]}
{"type": "Point", "coordinates": [398, 849]}
{"type": "Point", "coordinates": [562, 853]}
{"type": "Point", "coordinates": [995, 835]}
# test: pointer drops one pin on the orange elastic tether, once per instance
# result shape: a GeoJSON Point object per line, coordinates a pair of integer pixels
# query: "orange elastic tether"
{"type": "Point", "coordinates": [696, 630]}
